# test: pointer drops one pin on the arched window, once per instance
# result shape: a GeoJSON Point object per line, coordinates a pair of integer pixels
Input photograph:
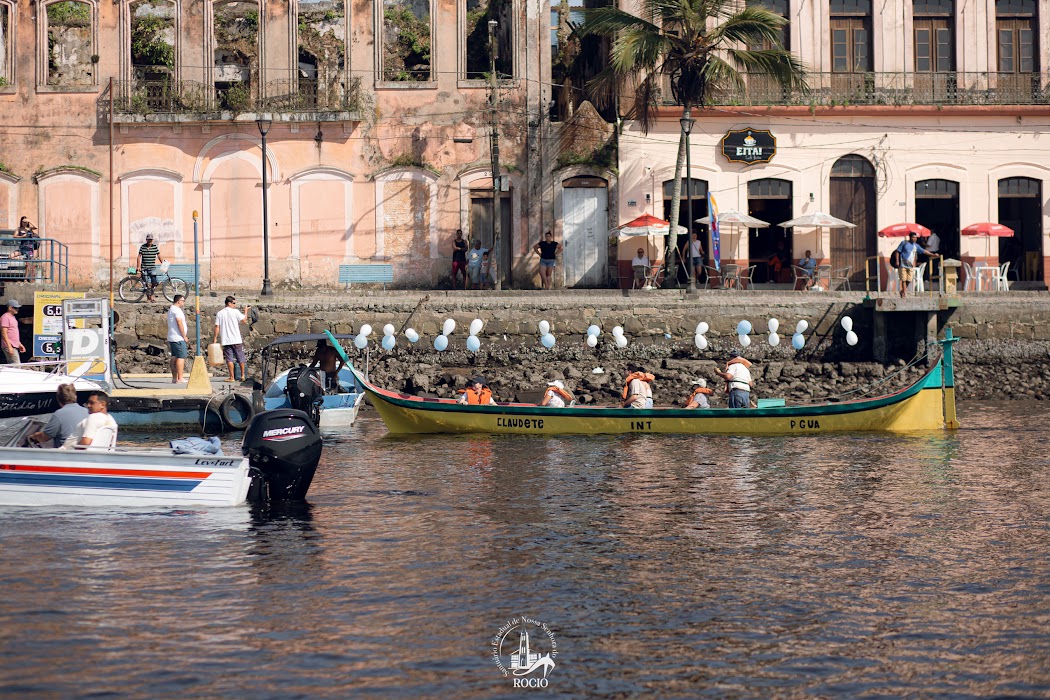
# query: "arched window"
{"type": "Point", "coordinates": [852, 166]}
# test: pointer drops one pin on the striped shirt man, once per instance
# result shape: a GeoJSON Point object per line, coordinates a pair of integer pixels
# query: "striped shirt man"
{"type": "Point", "coordinates": [148, 254]}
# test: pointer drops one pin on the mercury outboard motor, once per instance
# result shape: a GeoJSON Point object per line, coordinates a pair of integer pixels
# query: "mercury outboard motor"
{"type": "Point", "coordinates": [283, 449]}
{"type": "Point", "coordinates": [305, 391]}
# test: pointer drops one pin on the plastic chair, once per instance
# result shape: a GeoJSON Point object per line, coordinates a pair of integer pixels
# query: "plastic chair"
{"type": "Point", "coordinates": [748, 275]}
{"type": "Point", "coordinates": [841, 275]}
{"type": "Point", "coordinates": [712, 276]}
{"type": "Point", "coordinates": [802, 275]}
{"type": "Point", "coordinates": [730, 275]}
{"type": "Point", "coordinates": [970, 284]}
{"type": "Point", "coordinates": [918, 284]}
{"type": "Point", "coordinates": [823, 274]}
{"type": "Point", "coordinates": [654, 275]}
{"type": "Point", "coordinates": [892, 279]}
{"type": "Point", "coordinates": [1001, 283]}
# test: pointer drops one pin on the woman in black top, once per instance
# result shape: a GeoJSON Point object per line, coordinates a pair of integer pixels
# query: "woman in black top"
{"type": "Point", "coordinates": [459, 258]}
{"type": "Point", "coordinates": [548, 249]}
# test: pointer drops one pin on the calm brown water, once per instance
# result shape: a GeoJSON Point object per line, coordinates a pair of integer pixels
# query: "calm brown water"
{"type": "Point", "coordinates": [867, 566]}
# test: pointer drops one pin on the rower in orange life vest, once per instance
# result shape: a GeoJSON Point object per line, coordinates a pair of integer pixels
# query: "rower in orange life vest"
{"type": "Point", "coordinates": [698, 399]}
{"type": "Point", "coordinates": [556, 395]}
{"type": "Point", "coordinates": [636, 391]}
{"type": "Point", "coordinates": [477, 394]}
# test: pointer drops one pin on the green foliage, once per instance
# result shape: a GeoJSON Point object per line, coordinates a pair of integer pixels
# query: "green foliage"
{"type": "Point", "coordinates": [148, 46]}
{"type": "Point", "coordinates": [408, 57]}
{"type": "Point", "coordinates": [4, 168]}
{"type": "Point", "coordinates": [251, 22]}
{"type": "Point", "coordinates": [69, 14]}
{"type": "Point", "coordinates": [3, 82]}
{"type": "Point", "coordinates": [603, 157]}
{"type": "Point", "coordinates": [237, 98]}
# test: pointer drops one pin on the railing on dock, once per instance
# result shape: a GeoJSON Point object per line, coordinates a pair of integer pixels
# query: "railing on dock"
{"type": "Point", "coordinates": [33, 260]}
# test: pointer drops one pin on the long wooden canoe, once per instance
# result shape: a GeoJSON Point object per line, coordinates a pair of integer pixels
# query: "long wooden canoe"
{"type": "Point", "coordinates": [928, 404]}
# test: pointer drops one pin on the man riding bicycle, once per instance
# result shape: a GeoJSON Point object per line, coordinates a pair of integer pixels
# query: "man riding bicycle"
{"type": "Point", "coordinates": [149, 255]}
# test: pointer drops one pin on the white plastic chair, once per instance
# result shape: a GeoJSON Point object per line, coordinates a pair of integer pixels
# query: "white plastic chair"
{"type": "Point", "coordinates": [892, 279]}
{"type": "Point", "coordinates": [918, 284]}
{"type": "Point", "coordinates": [970, 284]}
{"type": "Point", "coordinates": [1001, 283]}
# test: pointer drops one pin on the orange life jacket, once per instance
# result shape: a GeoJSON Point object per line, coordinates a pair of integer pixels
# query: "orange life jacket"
{"type": "Point", "coordinates": [698, 390]}
{"type": "Point", "coordinates": [644, 376]}
{"type": "Point", "coordinates": [475, 398]}
{"type": "Point", "coordinates": [560, 392]}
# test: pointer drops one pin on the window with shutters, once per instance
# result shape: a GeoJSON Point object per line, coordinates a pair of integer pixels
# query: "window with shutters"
{"type": "Point", "coordinates": [851, 36]}
{"type": "Point", "coordinates": [1015, 23]}
{"type": "Point", "coordinates": [777, 7]}
{"type": "Point", "coordinates": [934, 22]}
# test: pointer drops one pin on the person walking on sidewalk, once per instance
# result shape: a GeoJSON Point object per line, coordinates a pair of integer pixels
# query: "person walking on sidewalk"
{"type": "Point", "coordinates": [548, 249]}
{"type": "Point", "coordinates": [227, 326]}
{"type": "Point", "coordinates": [178, 338]}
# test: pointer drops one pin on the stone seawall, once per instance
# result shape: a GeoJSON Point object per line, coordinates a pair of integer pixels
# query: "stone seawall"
{"type": "Point", "coordinates": [1001, 334]}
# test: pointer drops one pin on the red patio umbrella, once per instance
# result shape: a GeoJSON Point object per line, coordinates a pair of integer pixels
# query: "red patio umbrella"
{"type": "Point", "coordinates": [905, 229]}
{"type": "Point", "coordinates": [987, 228]}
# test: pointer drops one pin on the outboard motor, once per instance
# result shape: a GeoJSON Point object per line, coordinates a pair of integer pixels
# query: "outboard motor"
{"type": "Point", "coordinates": [283, 449]}
{"type": "Point", "coordinates": [305, 390]}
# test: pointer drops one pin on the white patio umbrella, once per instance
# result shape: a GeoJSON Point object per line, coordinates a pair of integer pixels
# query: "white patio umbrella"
{"type": "Point", "coordinates": [732, 217]}
{"type": "Point", "coordinates": [648, 226]}
{"type": "Point", "coordinates": [818, 220]}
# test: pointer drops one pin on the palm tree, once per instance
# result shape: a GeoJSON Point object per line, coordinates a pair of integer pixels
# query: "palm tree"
{"type": "Point", "coordinates": [702, 46]}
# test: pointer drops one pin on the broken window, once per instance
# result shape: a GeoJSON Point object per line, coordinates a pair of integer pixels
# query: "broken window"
{"type": "Point", "coordinates": [236, 40]}
{"type": "Point", "coordinates": [321, 74]}
{"type": "Point", "coordinates": [406, 40]}
{"type": "Point", "coordinates": [5, 45]}
{"type": "Point", "coordinates": [479, 12]}
{"type": "Point", "coordinates": [574, 60]}
{"type": "Point", "coordinates": [71, 57]}
{"type": "Point", "coordinates": [152, 49]}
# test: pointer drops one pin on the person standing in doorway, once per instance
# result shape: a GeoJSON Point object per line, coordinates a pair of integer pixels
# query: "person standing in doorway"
{"type": "Point", "coordinates": [459, 259]}
{"type": "Point", "coordinates": [696, 255]}
{"type": "Point", "coordinates": [474, 257]}
{"type": "Point", "coordinates": [9, 329]}
{"type": "Point", "coordinates": [149, 255]}
{"type": "Point", "coordinates": [548, 249]}
{"type": "Point", "coordinates": [227, 326]}
{"type": "Point", "coordinates": [178, 338]}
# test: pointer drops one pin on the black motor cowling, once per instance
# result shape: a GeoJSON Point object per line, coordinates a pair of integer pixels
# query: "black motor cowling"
{"type": "Point", "coordinates": [305, 390]}
{"type": "Point", "coordinates": [283, 449]}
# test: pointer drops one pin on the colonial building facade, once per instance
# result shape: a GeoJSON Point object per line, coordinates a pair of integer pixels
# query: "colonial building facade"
{"type": "Point", "coordinates": [927, 111]}
{"type": "Point", "coordinates": [122, 117]}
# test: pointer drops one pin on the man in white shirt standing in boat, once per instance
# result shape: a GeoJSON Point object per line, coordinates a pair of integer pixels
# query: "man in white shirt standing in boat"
{"type": "Point", "coordinates": [227, 325]}
{"type": "Point", "coordinates": [97, 430]}
{"type": "Point", "coordinates": [738, 382]}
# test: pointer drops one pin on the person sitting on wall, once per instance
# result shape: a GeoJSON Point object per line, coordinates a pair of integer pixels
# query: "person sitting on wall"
{"type": "Point", "coordinates": [557, 396]}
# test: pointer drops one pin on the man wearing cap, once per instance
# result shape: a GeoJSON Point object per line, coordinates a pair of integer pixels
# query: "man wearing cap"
{"type": "Point", "coordinates": [227, 325]}
{"type": "Point", "coordinates": [738, 381]}
{"type": "Point", "coordinates": [477, 394]}
{"type": "Point", "coordinates": [146, 263]}
{"type": "Point", "coordinates": [9, 330]}
{"type": "Point", "coordinates": [698, 399]}
{"type": "Point", "coordinates": [556, 395]}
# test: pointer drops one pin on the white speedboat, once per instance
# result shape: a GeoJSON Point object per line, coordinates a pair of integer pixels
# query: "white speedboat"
{"type": "Point", "coordinates": [31, 392]}
{"type": "Point", "coordinates": [280, 452]}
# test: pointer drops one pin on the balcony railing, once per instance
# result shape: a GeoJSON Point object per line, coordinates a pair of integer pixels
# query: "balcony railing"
{"type": "Point", "coordinates": [38, 260]}
{"type": "Point", "coordinates": [897, 89]}
{"type": "Point", "coordinates": [187, 100]}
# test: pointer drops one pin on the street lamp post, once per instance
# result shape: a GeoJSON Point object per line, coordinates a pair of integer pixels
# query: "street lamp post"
{"type": "Point", "coordinates": [687, 127]}
{"type": "Point", "coordinates": [497, 189]}
{"type": "Point", "coordinates": [264, 125]}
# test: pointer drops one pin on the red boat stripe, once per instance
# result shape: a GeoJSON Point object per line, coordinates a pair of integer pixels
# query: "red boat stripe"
{"type": "Point", "coordinates": [103, 471]}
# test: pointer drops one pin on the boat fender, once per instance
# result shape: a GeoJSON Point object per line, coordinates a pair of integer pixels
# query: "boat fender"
{"type": "Point", "coordinates": [232, 407]}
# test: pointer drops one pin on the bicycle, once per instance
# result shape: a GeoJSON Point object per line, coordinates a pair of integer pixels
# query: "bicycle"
{"type": "Point", "coordinates": [135, 287]}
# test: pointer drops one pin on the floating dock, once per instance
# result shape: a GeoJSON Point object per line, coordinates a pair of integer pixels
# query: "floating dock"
{"type": "Point", "coordinates": [145, 402]}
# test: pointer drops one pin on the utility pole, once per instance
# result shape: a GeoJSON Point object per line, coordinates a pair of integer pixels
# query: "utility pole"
{"type": "Point", "coordinates": [497, 208]}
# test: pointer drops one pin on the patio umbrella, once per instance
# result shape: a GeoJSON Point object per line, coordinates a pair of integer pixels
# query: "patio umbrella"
{"type": "Point", "coordinates": [818, 220]}
{"type": "Point", "coordinates": [906, 229]}
{"type": "Point", "coordinates": [988, 229]}
{"type": "Point", "coordinates": [733, 217]}
{"type": "Point", "coordinates": [645, 225]}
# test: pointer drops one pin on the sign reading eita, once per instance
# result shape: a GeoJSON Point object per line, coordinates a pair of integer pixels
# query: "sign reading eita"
{"type": "Point", "coordinates": [749, 146]}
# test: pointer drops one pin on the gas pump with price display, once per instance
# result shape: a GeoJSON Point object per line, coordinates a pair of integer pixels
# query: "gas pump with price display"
{"type": "Point", "coordinates": [85, 339]}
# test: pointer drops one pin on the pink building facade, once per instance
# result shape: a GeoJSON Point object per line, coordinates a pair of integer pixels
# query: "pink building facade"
{"type": "Point", "coordinates": [378, 151]}
{"type": "Point", "coordinates": [927, 111]}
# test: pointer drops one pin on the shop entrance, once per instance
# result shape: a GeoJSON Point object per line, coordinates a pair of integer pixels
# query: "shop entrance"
{"type": "Point", "coordinates": [770, 200]}
{"type": "Point", "coordinates": [1020, 208]}
{"type": "Point", "coordinates": [697, 191]}
{"type": "Point", "coordinates": [937, 208]}
{"type": "Point", "coordinates": [853, 200]}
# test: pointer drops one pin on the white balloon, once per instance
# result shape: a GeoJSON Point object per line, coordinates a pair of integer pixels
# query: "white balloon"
{"type": "Point", "coordinates": [389, 342]}
{"type": "Point", "coordinates": [440, 343]}
{"type": "Point", "coordinates": [448, 327]}
{"type": "Point", "coordinates": [388, 329]}
{"type": "Point", "coordinates": [594, 330]}
{"type": "Point", "coordinates": [743, 328]}
{"type": "Point", "coordinates": [473, 344]}
{"type": "Point", "coordinates": [802, 326]}
{"type": "Point", "coordinates": [592, 340]}
{"type": "Point", "coordinates": [617, 331]}
{"type": "Point", "coordinates": [701, 342]}
{"type": "Point", "coordinates": [621, 342]}
{"type": "Point", "coordinates": [702, 328]}
{"type": "Point", "coordinates": [476, 325]}
{"type": "Point", "coordinates": [847, 324]}
{"type": "Point", "coordinates": [548, 340]}
{"type": "Point", "coordinates": [851, 338]}
{"type": "Point", "coordinates": [798, 341]}
{"type": "Point", "coordinates": [411, 334]}
{"type": "Point", "coordinates": [774, 339]}
{"type": "Point", "coordinates": [366, 330]}
{"type": "Point", "coordinates": [360, 341]}
{"type": "Point", "coordinates": [545, 327]}
{"type": "Point", "coordinates": [773, 325]}
{"type": "Point", "coordinates": [745, 340]}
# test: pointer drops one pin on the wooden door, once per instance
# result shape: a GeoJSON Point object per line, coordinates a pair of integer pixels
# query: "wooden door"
{"type": "Point", "coordinates": [853, 200]}
{"type": "Point", "coordinates": [935, 79]}
{"type": "Point", "coordinates": [584, 236]}
{"type": "Point", "coordinates": [1017, 49]}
